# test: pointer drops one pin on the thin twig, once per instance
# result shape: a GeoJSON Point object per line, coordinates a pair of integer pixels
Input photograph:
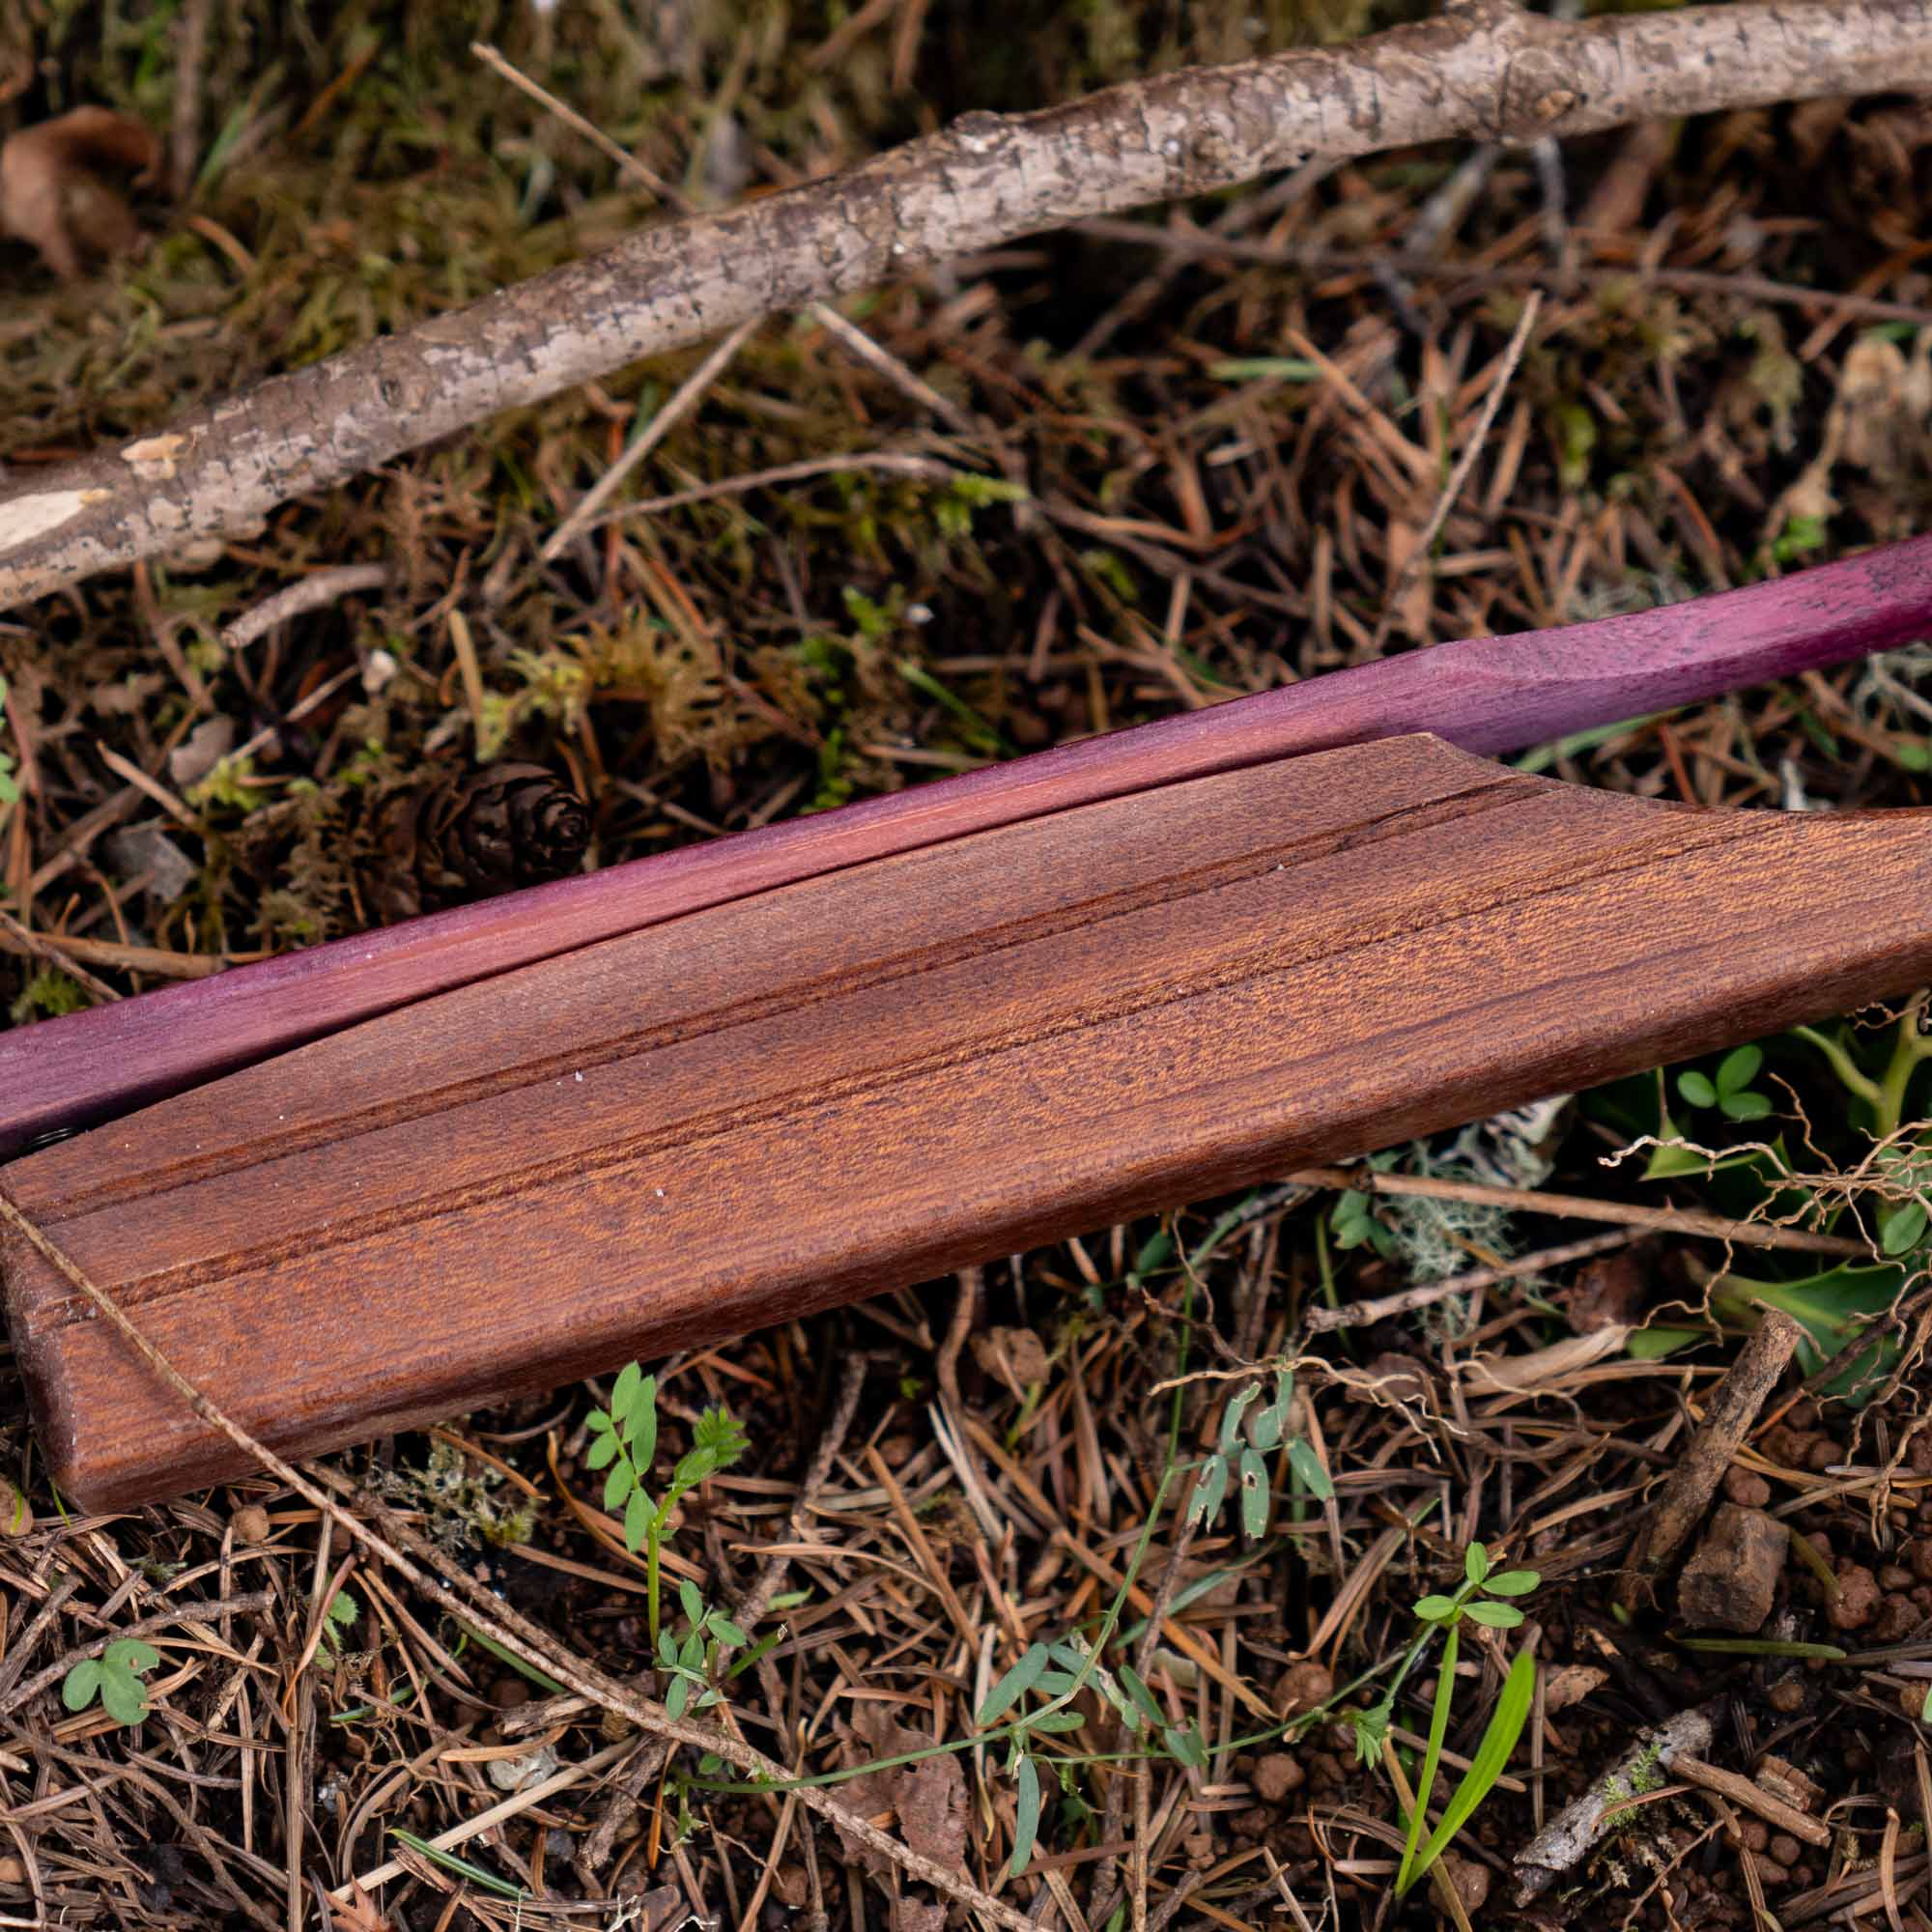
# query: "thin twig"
{"type": "Point", "coordinates": [891, 461]}
{"type": "Point", "coordinates": [1360, 1314]}
{"type": "Point", "coordinates": [314, 592]}
{"type": "Point", "coordinates": [1580, 1208]}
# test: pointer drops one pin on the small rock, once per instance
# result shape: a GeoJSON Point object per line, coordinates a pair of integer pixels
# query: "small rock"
{"type": "Point", "coordinates": [1470, 1880]}
{"type": "Point", "coordinates": [1303, 1685]}
{"type": "Point", "coordinates": [1747, 1488]}
{"type": "Point", "coordinates": [251, 1524]}
{"type": "Point", "coordinates": [1276, 1776]}
{"type": "Point", "coordinates": [1857, 1601]}
{"type": "Point", "coordinates": [208, 744]}
{"type": "Point", "coordinates": [1893, 1577]}
{"type": "Point", "coordinates": [513, 1773]}
{"type": "Point", "coordinates": [13, 1870]}
{"type": "Point", "coordinates": [1609, 1292]}
{"type": "Point", "coordinates": [1786, 1849]}
{"type": "Point", "coordinates": [1787, 1695]}
{"type": "Point", "coordinates": [1729, 1583]}
{"type": "Point", "coordinates": [1757, 1834]}
{"type": "Point", "coordinates": [1919, 1558]}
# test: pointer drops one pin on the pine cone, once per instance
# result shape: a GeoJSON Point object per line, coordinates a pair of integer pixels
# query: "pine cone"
{"type": "Point", "coordinates": [467, 836]}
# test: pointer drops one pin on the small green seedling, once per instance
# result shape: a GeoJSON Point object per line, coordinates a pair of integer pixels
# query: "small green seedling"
{"type": "Point", "coordinates": [1266, 1432]}
{"type": "Point", "coordinates": [342, 1610]}
{"type": "Point", "coordinates": [624, 1440]}
{"type": "Point", "coordinates": [1354, 1225]}
{"type": "Point", "coordinates": [1474, 1600]}
{"type": "Point", "coordinates": [9, 790]}
{"type": "Point", "coordinates": [689, 1664]}
{"type": "Point", "coordinates": [1730, 1091]}
{"type": "Point", "coordinates": [116, 1676]}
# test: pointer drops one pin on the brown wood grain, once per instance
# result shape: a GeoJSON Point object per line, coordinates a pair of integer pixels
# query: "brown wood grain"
{"type": "Point", "coordinates": [864, 1079]}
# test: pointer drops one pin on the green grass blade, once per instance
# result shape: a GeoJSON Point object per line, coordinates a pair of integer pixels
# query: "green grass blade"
{"type": "Point", "coordinates": [1491, 1755]}
{"type": "Point", "coordinates": [1438, 1726]}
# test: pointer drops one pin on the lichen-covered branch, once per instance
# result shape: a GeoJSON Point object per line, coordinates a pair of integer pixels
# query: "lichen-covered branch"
{"type": "Point", "coordinates": [1482, 70]}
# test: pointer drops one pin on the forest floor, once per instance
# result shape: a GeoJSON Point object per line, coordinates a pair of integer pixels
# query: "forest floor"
{"type": "Point", "coordinates": [1156, 465]}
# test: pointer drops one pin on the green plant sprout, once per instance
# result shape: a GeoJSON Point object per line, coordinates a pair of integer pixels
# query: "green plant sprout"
{"type": "Point", "coordinates": [116, 1676]}
{"type": "Point", "coordinates": [342, 1610]}
{"type": "Point", "coordinates": [1729, 1090]}
{"type": "Point", "coordinates": [1266, 1432]}
{"type": "Point", "coordinates": [624, 1440]}
{"type": "Point", "coordinates": [1474, 1600]}
{"type": "Point", "coordinates": [9, 790]}
{"type": "Point", "coordinates": [689, 1665]}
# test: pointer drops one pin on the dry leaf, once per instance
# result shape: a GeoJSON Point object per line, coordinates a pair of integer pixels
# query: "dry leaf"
{"type": "Point", "coordinates": [359, 1912]}
{"type": "Point", "coordinates": [1570, 1684]}
{"type": "Point", "coordinates": [49, 193]}
{"type": "Point", "coordinates": [1517, 1374]}
{"type": "Point", "coordinates": [929, 1799]}
{"type": "Point", "coordinates": [1015, 1355]}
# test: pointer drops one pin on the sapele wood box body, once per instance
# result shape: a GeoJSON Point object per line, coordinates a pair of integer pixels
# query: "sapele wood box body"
{"type": "Point", "coordinates": [867, 1078]}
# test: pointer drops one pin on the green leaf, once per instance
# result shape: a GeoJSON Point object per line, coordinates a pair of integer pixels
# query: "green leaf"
{"type": "Point", "coordinates": [1055, 1683]}
{"type": "Point", "coordinates": [1491, 1755]}
{"type": "Point", "coordinates": [1308, 1465]}
{"type": "Point", "coordinates": [602, 1452]}
{"type": "Point", "coordinates": [642, 1431]}
{"type": "Point", "coordinates": [617, 1487]}
{"type": "Point", "coordinates": [1254, 1496]}
{"type": "Point", "coordinates": [1925, 1709]}
{"type": "Point", "coordinates": [122, 1697]}
{"type": "Point", "coordinates": [129, 1653]}
{"type": "Point", "coordinates": [1475, 1562]}
{"type": "Point", "coordinates": [343, 1610]}
{"type": "Point", "coordinates": [624, 1390]}
{"type": "Point", "coordinates": [1512, 1583]}
{"type": "Point", "coordinates": [1431, 1757]}
{"type": "Point", "coordinates": [677, 1696]}
{"type": "Point", "coordinates": [1902, 1228]}
{"type": "Point", "coordinates": [1026, 1818]}
{"type": "Point", "coordinates": [486, 1881]}
{"type": "Point", "coordinates": [1433, 1610]}
{"type": "Point", "coordinates": [1498, 1616]}
{"type": "Point", "coordinates": [1057, 1721]}
{"type": "Point", "coordinates": [1186, 1746]}
{"type": "Point", "coordinates": [729, 1636]}
{"type": "Point", "coordinates": [1696, 1089]}
{"type": "Point", "coordinates": [1745, 1106]}
{"type": "Point", "coordinates": [1270, 1424]}
{"type": "Point", "coordinates": [637, 1513]}
{"type": "Point", "coordinates": [1739, 1068]}
{"type": "Point", "coordinates": [78, 1686]}
{"type": "Point", "coordinates": [1826, 1306]}
{"type": "Point", "coordinates": [1210, 1492]}
{"type": "Point", "coordinates": [1231, 1417]}
{"type": "Point", "coordinates": [689, 1597]}
{"type": "Point", "coordinates": [1014, 1685]}
{"type": "Point", "coordinates": [599, 1423]}
{"type": "Point", "coordinates": [710, 1765]}
{"type": "Point", "coordinates": [1144, 1699]}
{"type": "Point", "coordinates": [690, 1655]}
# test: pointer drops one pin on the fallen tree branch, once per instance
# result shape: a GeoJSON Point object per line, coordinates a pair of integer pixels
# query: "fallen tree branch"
{"type": "Point", "coordinates": [1483, 70]}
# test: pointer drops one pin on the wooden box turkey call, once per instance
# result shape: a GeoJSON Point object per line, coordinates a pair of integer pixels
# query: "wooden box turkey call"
{"type": "Point", "coordinates": [863, 1079]}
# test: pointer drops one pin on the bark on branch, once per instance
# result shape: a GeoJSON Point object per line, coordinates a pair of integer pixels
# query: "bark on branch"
{"type": "Point", "coordinates": [1482, 70]}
